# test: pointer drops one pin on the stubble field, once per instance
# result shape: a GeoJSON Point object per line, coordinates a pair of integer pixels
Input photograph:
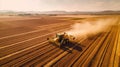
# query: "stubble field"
{"type": "Point", "coordinates": [23, 41]}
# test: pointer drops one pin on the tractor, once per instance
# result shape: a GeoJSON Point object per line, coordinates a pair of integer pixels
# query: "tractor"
{"type": "Point", "coordinates": [61, 40]}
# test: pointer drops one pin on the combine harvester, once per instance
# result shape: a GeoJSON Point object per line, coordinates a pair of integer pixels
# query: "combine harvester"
{"type": "Point", "coordinates": [62, 40]}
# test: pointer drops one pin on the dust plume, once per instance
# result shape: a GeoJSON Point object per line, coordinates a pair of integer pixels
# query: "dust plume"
{"type": "Point", "coordinates": [87, 28]}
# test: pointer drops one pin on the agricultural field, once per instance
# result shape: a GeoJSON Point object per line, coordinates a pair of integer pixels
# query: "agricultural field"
{"type": "Point", "coordinates": [23, 41]}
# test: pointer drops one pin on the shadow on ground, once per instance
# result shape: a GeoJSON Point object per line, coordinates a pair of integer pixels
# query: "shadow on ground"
{"type": "Point", "coordinates": [67, 47]}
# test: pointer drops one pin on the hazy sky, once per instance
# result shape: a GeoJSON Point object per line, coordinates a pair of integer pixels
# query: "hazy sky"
{"type": "Point", "coordinates": [59, 5]}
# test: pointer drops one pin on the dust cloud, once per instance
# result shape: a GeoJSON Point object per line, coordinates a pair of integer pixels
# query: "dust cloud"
{"type": "Point", "coordinates": [87, 28]}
